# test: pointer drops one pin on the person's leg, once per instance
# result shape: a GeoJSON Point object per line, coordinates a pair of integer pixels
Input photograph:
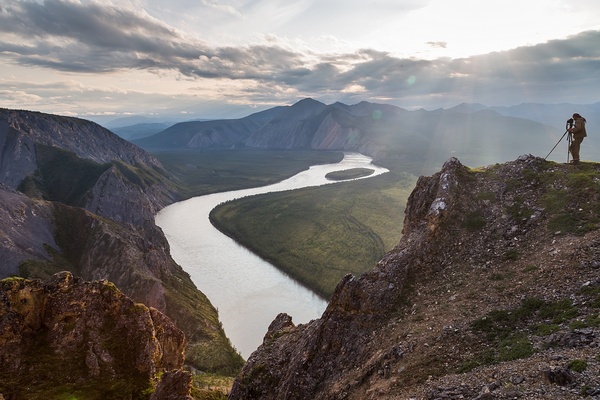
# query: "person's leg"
{"type": "Point", "coordinates": [575, 146]}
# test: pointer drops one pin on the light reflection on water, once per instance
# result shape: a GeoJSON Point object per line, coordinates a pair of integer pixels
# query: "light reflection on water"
{"type": "Point", "coordinates": [248, 291]}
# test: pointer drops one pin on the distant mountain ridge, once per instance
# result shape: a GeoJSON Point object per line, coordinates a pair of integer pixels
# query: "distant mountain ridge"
{"type": "Point", "coordinates": [217, 133]}
{"type": "Point", "coordinates": [138, 131]}
{"type": "Point", "coordinates": [548, 114]}
{"type": "Point", "coordinates": [478, 134]}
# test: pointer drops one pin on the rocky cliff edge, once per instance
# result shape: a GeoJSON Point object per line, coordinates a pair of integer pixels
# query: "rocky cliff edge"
{"type": "Point", "coordinates": [493, 292]}
{"type": "Point", "coordinates": [68, 337]}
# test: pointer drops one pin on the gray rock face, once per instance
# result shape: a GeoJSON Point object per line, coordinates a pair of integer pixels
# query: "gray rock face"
{"type": "Point", "coordinates": [88, 140]}
{"type": "Point", "coordinates": [17, 156]}
{"type": "Point", "coordinates": [25, 229]}
{"type": "Point", "coordinates": [115, 195]}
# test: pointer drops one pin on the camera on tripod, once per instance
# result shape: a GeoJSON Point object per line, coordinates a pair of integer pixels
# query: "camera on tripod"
{"type": "Point", "coordinates": [569, 123]}
{"type": "Point", "coordinates": [567, 133]}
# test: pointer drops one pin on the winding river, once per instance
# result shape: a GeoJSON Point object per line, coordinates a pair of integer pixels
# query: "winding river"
{"type": "Point", "coordinates": [248, 291]}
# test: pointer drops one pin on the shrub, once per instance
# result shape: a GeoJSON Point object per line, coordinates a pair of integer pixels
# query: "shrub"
{"type": "Point", "coordinates": [577, 365]}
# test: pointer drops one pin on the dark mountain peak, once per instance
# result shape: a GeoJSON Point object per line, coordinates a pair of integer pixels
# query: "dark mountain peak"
{"type": "Point", "coordinates": [468, 107]}
{"type": "Point", "coordinates": [308, 102]}
{"type": "Point", "coordinates": [340, 106]}
{"type": "Point", "coordinates": [303, 109]}
{"type": "Point", "coordinates": [82, 164]}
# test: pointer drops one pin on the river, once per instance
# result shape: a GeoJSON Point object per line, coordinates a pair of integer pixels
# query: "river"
{"type": "Point", "coordinates": [248, 291]}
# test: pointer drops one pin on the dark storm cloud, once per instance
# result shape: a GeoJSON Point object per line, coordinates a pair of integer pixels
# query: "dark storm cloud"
{"type": "Point", "coordinates": [70, 36]}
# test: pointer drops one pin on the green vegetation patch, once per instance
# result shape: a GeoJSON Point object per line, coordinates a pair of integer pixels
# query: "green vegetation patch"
{"type": "Point", "coordinates": [202, 172]}
{"type": "Point", "coordinates": [347, 174]}
{"type": "Point", "coordinates": [571, 198]}
{"type": "Point", "coordinates": [61, 176]}
{"type": "Point", "coordinates": [577, 365]}
{"type": "Point", "coordinates": [211, 386]}
{"type": "Point", "coordinates": [474, 221]}
{"type": "Point", "coordinates": [44, 269]}
{"type": "Point", "coordinates": [319, 234]}
{"type": "Point", "coordinates": [507, 331]}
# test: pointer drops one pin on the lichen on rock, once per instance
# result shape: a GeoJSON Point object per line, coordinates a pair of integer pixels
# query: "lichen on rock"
{"type": "Point", "coordinates": [66, 333]}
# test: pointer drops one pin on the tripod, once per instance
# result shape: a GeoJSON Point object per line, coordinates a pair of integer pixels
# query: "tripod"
{"type": "Point", "coordinates": [568, 126]}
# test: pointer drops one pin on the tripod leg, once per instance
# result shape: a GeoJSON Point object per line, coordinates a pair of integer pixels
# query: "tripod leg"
{"type": "Point", "coordinates": [556, 144]}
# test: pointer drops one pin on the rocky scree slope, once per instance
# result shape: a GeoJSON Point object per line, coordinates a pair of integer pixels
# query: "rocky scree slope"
{"type": "Point", "coordinates": [492, 293]}
{"type": "Point", "coordinates": [71, 337]}
{"type": "Point", "coordinates": [76, 197]}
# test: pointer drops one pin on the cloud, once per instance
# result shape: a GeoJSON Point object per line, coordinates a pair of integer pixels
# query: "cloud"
{"type": "Point", "coordinates": [91, 38]}
{"type": "Point", "coordinates": [226, 8]}
{"type": "Point", "coordinates": [439, 45]}
{"type": "Point", "coordinates": [77, 37]}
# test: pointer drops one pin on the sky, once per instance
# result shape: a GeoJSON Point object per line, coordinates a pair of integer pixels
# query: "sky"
{"type": "Point", "coordinates": [227, 59]}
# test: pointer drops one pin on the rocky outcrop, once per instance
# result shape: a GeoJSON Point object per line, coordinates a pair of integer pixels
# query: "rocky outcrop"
{"type": "Point", "coordinates": [87, 338]}
{"type": "Point", "coordinates": [489, 260]}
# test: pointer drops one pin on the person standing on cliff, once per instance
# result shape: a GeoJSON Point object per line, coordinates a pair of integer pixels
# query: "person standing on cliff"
{"type": "Point", "coordinates": [578, 133]}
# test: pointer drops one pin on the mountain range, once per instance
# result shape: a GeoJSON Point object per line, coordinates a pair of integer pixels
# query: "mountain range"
{"type": "Point", "coordinates": [479, 135]}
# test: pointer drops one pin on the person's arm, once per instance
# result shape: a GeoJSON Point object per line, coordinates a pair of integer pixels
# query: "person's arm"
{"type": "Point", "coordinates": [578, 126]}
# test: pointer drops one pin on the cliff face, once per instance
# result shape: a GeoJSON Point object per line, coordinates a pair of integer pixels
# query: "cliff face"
{"type": "Point", "coordinates": [25, 229]}
{"type": "Point", "coordinates": [80, 163]}
{"type": "Point", "coordinates": [75, 197]}
{"type": "Point", "coordinates": [20, 130]}
{"type": "Point", "coordinates": [71, 337]}
{"type": "Point", "coordinates": [492, 292]}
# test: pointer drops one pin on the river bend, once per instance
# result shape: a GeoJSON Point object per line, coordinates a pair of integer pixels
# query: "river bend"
{"type": "Point", "coordinates": [248, 291]}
